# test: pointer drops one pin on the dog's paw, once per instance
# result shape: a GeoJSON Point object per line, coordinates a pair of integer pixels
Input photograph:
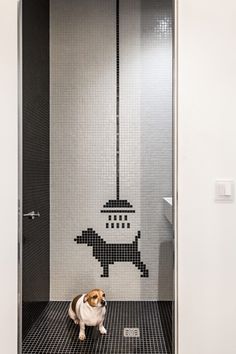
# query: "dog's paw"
{"type": "Point", "coordinates": [102, 330]}
{"type": "Point", "coordinates": [76, 321]}
{"type": "Point", "coordinates": [82, 336]}
{"type": "Point", "coordinates": [145, 274]}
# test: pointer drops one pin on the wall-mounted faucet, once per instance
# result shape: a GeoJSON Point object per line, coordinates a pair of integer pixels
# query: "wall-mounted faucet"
{"type": "Point", "coordinates": [32, 215]}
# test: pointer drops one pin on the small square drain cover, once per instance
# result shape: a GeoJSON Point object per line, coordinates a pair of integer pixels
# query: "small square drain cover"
{"type": "Point", "coordinates": [131, 332]}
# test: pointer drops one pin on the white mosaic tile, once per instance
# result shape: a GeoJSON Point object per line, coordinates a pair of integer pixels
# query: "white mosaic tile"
{"type": "Point", "coordinates": [83, 146]}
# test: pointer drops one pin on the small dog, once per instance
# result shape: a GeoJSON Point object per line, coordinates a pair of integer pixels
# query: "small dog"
{"type": "Point", "coordinates": [109, 253]}
{"type": "Point", "coordinates": [89, 310]}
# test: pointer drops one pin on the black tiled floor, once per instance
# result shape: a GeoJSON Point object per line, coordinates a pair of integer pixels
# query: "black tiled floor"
{"type": "Point", "coordinates": [55, 333]}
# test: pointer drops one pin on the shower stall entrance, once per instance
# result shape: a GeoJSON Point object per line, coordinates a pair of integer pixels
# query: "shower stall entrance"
{"type": "Point", "coordinates": [96, 162]}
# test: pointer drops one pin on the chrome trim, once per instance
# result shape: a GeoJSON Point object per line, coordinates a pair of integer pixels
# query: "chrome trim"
{"type": "Point", "coordinates": [20, 179]}
{"type": "Point", "coordinates": [175, 169]}
{"type": "Point", "coordinates": [32, 215]}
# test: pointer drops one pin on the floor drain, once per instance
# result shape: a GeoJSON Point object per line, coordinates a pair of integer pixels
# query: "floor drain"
{"type": "Point", "coordinates": [131, 332]}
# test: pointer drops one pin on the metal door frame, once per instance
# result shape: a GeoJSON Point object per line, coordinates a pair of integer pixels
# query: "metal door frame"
{"type": "Point", "coordinates": [174, 164]}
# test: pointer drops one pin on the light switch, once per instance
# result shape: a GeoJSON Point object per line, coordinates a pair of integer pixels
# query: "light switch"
{"type": "Point", "coordinates": [224, 191]}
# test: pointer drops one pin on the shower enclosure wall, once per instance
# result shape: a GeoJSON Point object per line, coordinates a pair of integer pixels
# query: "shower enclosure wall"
{"type": "Point", "coordinates": [99, 73]}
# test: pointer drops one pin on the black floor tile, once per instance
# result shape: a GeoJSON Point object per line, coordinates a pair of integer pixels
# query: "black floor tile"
{"type": "Point", "coordinates": [55, 333]}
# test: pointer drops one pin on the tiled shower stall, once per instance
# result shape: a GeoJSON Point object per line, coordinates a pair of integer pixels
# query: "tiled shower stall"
{"type": "Point", "coordinates": [97, 146]}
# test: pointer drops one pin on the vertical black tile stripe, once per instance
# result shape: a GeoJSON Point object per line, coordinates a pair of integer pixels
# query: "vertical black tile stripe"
{"type": "Point", "coordinates": [117, 101]}
{"type": "Point", "coordinates": [35, 272]}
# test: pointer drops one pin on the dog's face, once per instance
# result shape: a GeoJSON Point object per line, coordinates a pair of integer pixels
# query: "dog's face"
{"type": "Point", "coordinates": [85, 238]}
{"type": "Point", "coordinates": [95, 298]}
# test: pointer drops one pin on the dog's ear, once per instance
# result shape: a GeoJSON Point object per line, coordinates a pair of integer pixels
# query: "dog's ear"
{"type": "Point", "coordinates": [85, 298]}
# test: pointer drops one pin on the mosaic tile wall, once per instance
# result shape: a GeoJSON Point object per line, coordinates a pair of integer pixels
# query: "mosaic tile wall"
{"type": "Point", "coordinates": [35, 146]}
{"type": "Point", "coordinates": [124, 244]}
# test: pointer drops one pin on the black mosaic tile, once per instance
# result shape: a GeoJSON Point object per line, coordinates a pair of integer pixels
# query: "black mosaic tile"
{"type": "Point", "coordinates": [36, 168]}
{"type": "Point", "coordinates": [117, 204]}
{"type": "Point", "coordinates": [109, 253]}
{"type": "Point", "coordinates": [166, 315]}
{"type": "Point", "coordinates": [118, 211]}
{"type": "Point", "coordinates": [55, 333]}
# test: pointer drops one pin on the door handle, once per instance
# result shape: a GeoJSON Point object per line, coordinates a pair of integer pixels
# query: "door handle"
{"type": "Point", "coordinates": [32, 215]}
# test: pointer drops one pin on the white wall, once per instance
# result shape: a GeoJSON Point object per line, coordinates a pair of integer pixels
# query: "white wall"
{"type": "Point", "coordinates": [207, 151]}
{"type": "Point", "coordinates": [8, 176]}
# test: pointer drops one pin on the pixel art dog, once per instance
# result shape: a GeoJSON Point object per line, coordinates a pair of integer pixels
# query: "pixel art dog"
{"type": "Point", "coordinates": [109, 253]}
